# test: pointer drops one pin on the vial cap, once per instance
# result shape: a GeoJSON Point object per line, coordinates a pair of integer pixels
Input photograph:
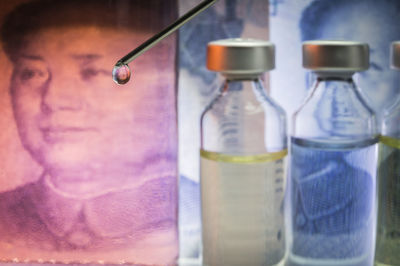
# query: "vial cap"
{"type": "Point", "coordinates": [335, 56]}
{"type": "Point", "coordinates": [395, 55]}
{"type": "Point", "coordinates": [240, 57]}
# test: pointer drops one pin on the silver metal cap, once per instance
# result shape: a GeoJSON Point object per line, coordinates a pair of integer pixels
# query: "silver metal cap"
{"type": "Point", "coordinates": [395, 55]}
{"type": "Point", "coordinates": [240, 57]}
{"type": "Point", "coordinates": [335, 56]}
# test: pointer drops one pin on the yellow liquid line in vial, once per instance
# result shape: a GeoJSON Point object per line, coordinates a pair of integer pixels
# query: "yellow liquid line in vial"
{"type": "Point", "coordinates": [230, 158]}
{"type": "Point", "coordinates": [392, 142]}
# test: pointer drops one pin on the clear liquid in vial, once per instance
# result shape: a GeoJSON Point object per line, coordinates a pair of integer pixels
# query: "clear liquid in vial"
{"type": "Point", "coordinates": [387, 250]}
{"type": "Point", "coordinates": [332, 187]}
{"type": "Point", "coordinates": [242, 209]}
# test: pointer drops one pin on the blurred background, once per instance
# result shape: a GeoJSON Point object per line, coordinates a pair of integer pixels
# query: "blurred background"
{"type": "Point", "coordinates": [284, 22]}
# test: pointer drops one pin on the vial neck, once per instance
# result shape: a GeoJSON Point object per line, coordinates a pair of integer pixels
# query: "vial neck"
{"type": "Point", "coordinates": [335, 83]}
{"type": "Point", "coordinates": [240, 84]}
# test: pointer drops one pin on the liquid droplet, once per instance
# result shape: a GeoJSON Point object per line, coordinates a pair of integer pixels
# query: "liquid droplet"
{"type": "Point", "coordinates": [121, 73]}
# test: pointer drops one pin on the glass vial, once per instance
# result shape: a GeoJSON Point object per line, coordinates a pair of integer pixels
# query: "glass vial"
{"type": "Point", "coordinates": [387, 250]}
{"type": "Point", "coordinates": [333, 161]}
{"type": "Point", "coordinates": [243, 149]}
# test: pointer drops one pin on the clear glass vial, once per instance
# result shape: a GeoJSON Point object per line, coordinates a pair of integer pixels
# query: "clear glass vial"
{"type": "Point", "coordinates": [387, 250]}
{"type": "Point", "coordinates": [333, 161]}
{"type": "Point", "coordinates": [243, 148]}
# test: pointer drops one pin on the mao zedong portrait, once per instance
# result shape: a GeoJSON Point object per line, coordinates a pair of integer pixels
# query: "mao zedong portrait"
{"type": "Point", "coordinates": [108, 152]}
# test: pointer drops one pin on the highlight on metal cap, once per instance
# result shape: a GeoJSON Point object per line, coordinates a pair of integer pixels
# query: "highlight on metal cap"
{"type": "Point", "coordinates": [240, 57]}
{"type": "Point", "coordinates": [335, 56]}
{"type": "Point", "coordinates": [395, 55]}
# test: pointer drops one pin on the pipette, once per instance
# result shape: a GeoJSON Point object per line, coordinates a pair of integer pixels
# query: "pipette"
{"type": "Point", "coordinates": [121, 72]}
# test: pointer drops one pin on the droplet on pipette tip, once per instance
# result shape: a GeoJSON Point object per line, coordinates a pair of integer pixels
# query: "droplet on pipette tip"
{"type": "Point", "coordinates": [121, 73]}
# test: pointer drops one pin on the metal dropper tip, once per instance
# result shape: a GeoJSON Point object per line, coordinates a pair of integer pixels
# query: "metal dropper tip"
{"type": "Point", "coordinates": [124, 61]}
